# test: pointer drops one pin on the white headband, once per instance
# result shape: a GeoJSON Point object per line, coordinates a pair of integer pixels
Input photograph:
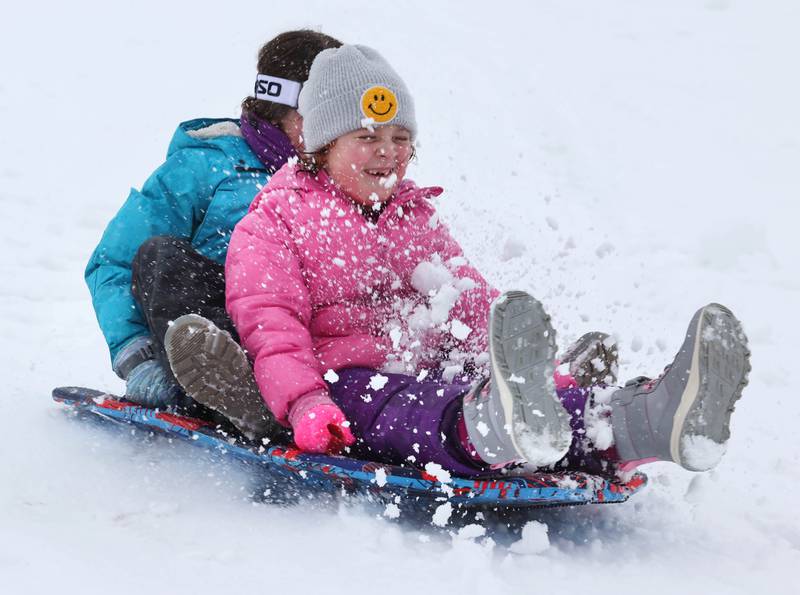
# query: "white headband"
{"type": "Point", "coordinates": [277, 90]}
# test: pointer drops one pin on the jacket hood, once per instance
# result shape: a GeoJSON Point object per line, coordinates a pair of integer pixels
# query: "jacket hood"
{"type": "Point", "coordinates": [219, 134]}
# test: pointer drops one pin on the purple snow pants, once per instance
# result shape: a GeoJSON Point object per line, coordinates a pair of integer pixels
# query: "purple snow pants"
{"type": "Point", "coordinates": [581, 454]}
{"type": "Point", "coordinates": [407, 421]}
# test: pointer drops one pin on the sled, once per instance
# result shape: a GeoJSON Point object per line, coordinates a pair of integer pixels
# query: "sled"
{"type": "Point", "coordinates": [289, 471]}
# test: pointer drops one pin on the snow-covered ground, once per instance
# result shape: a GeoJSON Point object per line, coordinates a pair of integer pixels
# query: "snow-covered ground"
{"type": "Point", "coordinates": [625, 161]}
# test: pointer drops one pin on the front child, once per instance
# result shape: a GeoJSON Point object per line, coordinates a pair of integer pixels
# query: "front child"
{"type": "Point", "coordinates": [347, 294]}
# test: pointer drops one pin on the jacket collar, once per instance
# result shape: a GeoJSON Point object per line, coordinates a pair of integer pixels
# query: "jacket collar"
{"type": "Point", "coordinates": [291, 177]}
{"type": "Point", "coordinates": [405, 192]}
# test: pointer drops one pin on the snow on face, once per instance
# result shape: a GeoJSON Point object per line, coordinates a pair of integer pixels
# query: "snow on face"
{"type": "Point", "coordinates": [368, 163]}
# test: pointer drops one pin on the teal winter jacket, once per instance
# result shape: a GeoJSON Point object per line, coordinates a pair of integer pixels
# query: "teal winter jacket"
{"type": "Point", "coordinates": [199, 194]}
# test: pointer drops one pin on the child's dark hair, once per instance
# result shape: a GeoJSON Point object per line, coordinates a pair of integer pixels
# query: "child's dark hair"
{"type": "Point", "coordinates": [289, 56]}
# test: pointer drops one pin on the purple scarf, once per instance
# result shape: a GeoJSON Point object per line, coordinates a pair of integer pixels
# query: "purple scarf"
{"type": "Point", "coordinates": [268, 142]}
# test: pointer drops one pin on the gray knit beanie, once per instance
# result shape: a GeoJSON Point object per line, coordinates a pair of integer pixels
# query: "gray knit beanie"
{"type": "Point", "coordinates": [348, 88]}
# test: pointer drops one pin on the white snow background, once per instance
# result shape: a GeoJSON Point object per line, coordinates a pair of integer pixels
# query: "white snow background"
{"type": "Point", "coordinates": [625, 161]}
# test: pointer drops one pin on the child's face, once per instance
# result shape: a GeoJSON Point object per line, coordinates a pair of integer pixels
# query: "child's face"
{"type": "Point", "coordinates": [367, 165]}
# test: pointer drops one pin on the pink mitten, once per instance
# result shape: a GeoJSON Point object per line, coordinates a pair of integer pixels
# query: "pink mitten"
{"type": "Point", "coordinates": [323, 428]}
{"type": "Point", "coordinates": [562, 378]}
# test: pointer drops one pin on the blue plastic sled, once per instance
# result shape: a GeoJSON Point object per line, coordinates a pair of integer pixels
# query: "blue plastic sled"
{"type": "Point", "coordinates": [294, 472]}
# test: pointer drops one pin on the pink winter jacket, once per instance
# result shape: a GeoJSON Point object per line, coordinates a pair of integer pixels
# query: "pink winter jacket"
{"type": "Point", "coordinates": [313, 285]}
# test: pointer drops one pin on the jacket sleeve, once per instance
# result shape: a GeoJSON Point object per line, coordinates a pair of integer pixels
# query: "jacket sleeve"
{"type": "Point", "coordinates": [269, 304]}
{"type": "Point", "coordinates": [172, 202]}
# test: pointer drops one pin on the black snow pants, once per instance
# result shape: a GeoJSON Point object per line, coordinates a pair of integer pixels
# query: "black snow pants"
{"type": "Point", "coordinates": [170, 279]}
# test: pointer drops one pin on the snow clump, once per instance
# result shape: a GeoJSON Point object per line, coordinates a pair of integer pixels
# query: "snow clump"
{"type": "Point", "coordinates": [435, 469]}
{"type": "Point", "coordinates": [378, 381]}
{"type": "Point", "coordinates": [541, 448]}
{"type": "Point", "coordinates": [389, 181]}
{"type": "Point", "coordinates": [700, 452]}
{"type": "Point", "coordinates": [534, 539]}
{"type": "Point", "coordinates": [421, 322]}
{"type": "Point", "coordinates": [442, 514]}
{"type": "Point", "coordinates": [459, 330]}
{"type": "Point", "coordinates": [512, 249]}
{"type": "Point", "coordinates": [597, 418]}
{"type": "Point", "coordinates": [471, 531]}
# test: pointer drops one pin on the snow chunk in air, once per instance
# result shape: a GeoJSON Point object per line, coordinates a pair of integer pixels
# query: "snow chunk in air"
{"type": "Point", "coordinates": [442, 514]}
{"type": "Point", "coordinates": [378, 381]}
{"type": "Point", "coordinates": [430, 276]}
{"type": "Point", "coordinates": [435, 469]}
{"type": "Point", "coordinates": [512, 248]}
{"type": "Point", "coordinates": [459, 330]}
{"type": "Point", "coordinates": [534, 539]}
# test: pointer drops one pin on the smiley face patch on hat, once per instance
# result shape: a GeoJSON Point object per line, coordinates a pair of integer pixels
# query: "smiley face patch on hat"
{"type": "Point", "coordinates": [379, 103]}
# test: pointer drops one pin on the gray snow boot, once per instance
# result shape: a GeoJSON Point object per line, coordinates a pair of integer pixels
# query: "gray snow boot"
{"type": "Point", "coordinates": [591, 360]}
{"type": "Point", "coordinates": [684, 415]}
{"type": "Point", "coordinates": [214, 371]}
{"type": "Point", "coordinates": [518, 418]}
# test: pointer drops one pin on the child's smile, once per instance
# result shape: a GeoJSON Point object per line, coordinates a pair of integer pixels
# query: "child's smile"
{"type": "Point", "coordinates": [379, 172]}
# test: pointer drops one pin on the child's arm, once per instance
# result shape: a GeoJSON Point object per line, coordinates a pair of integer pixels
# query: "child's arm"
{"type": "Point", "coordinates": [269, 304]}
{"type": "Point", "coordinates": [171, 202]}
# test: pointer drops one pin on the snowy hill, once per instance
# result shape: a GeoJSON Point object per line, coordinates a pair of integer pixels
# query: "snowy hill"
{"type": "Point", "coordinates": [626, 163]}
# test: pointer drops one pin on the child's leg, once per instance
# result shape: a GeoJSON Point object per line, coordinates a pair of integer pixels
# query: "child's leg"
{"type": "Point", "coordinates": [589, 363]}
{"type": "Point", "coordinates": [170, 279]}
{"type": "Point", "coordinates": [404, 421]}
{"type": "Point", "coordinates": [470, 429]}
{"type": "Point", "coordinates": [684, 415]}
{"type": "Point", "coordinates": [214, 371]}
{"type": "Point", "coordinates": [582, 453]}
{"type": "Point", "coordinates": [591, 360]}
{"type": "Point", "coordinates": [518, 417]}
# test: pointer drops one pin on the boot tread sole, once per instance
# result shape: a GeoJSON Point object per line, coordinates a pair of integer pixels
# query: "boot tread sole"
{"type": "Point", "coordinates": [213, 370]}
{"type": "Point", "coordinates": [518, 324]}
{"type": "Point", "coordinates": [721, 367]}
